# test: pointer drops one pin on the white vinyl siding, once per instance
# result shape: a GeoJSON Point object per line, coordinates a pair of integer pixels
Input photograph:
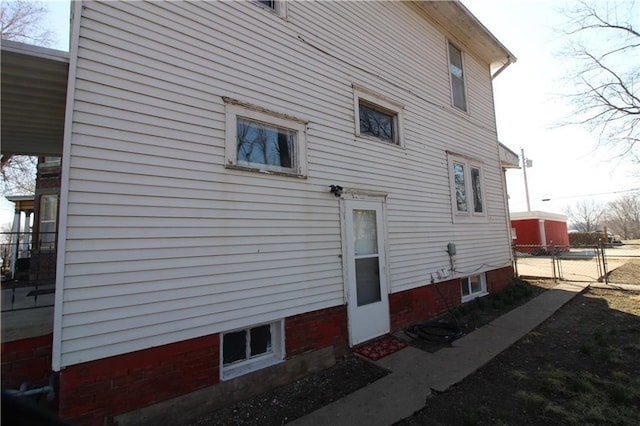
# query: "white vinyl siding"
{"type": "Point", "coordinates": [165, 244]}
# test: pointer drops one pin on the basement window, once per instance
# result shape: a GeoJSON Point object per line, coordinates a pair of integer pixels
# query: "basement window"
{"type": "Point", "coordinates": [473, 286]}
{"type": "Point", "coordinates": [250, 349]}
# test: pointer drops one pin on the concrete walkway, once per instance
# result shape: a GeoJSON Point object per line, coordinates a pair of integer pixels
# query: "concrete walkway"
{"type": "Point", "coordinates": [415, 373]}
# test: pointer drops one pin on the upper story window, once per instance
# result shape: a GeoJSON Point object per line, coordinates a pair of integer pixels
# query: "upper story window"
{"type": "Point", "coordinates": [264, 141]}
{"type": "Point", "coordinates": [377, 117]}
{"type": "Point", "coordinates": [456, 71]}
{"type": "Point", "coordinates": [467, 187]}
{"type": "Point", "coordinates": [278, 6]}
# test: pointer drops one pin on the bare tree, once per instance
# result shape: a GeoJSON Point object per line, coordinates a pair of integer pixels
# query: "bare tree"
{"type": "Point", "coordinates": [22, 20]}
{"type": "Point", "coordinates": [585, 216]}
{"type": "Point", "coordinates": [605, 47]}
{"type": "Point", "coordinates": [18, 174]}
{"type": "Point", "coordinates": [623, 217]}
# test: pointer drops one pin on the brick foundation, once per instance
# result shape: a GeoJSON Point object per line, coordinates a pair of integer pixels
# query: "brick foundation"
{"type": "Point", "coordinates": [499, 278]}
{"type": "Point", "coordinates": [27, 361]}
{"type": "Point", "coordinates": [423, 303]}
{"type": "Point", "coordinates": [319, 329]}
{"type": "Point", "coordinates": [431, 301]}
{"type": "Point", "coordinates": [95, 392]}
{"type": "Point", "coordinates": [92, 392]}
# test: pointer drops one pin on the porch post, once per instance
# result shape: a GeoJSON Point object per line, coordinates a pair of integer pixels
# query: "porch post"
{"type": "Point", "coordinates": [15, 241]}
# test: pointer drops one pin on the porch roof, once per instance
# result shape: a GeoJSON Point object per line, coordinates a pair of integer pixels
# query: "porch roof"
{"type": "Point", "coordinates": [34, 89]}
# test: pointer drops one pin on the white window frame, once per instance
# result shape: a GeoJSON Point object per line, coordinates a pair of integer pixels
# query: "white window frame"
{"type": "Point", "coordinates": [468, 164]}
{"type": "Point", "coordinates": [464, 77]}
{"type": "Point", "coordinates": [387, 106]}
{"type": "Point", "coordinates": [466, 281]}
{"type": "Point", "coordinates": [254, 113]}
{"type": "Point", "coordinates": [258, 362]}
{"type": "Point", "coordinates": [279, 7]}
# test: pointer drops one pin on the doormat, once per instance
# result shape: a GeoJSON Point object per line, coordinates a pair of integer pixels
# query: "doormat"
{"type": "Point", "coordinates": [380, 348]}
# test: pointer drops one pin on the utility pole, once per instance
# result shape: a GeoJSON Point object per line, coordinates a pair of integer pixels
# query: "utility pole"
{"type": "Point", "coordinates": [526, 163]}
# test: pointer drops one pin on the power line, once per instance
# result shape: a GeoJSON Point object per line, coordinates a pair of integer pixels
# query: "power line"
{"type": "Point", "coordinates": [591, 195]}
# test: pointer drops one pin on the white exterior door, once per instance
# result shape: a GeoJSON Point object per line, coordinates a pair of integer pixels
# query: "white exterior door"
{"type": "Point", "coordinates": [365, 260]}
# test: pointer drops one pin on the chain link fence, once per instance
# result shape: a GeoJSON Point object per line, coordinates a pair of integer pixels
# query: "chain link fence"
{"type": "Point", "coordinates": [589, 263]}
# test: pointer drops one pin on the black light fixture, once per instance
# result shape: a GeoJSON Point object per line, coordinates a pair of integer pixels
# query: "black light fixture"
{"type": "Point", "coordinates": [336, 190]}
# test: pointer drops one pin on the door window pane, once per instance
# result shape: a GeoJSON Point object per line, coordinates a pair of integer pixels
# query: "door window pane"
{"type": "Point", "coordinates": [364, 232]}
{"type": "Point", "coordinates": [367, 280]}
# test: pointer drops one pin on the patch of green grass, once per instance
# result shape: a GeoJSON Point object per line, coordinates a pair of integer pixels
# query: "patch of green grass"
{"type": "Point", "coordinates": [518, 375]}
{"type": "Point", "coordinates": [533, 403]}
{"type": "Point", "coordinates": [584, 398]}
{"type": "Point", "coordinates": [585, 349]}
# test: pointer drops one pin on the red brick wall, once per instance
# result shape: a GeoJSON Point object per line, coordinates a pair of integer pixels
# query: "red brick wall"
{"type": "Point", "coordinates": [316, 330]}
{"type": "Point", "coordinates": [423, 303]}
{"type": "Point", "coordinates": [27, 361]}
{"type": "Point", "coordinates": [92, 392]}
{"type": "Point", "coordinates": [499, 278]}
{"type": "Point", "coordinates": [430, 301]}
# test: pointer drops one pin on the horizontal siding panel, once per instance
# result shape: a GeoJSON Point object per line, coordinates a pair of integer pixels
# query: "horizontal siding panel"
{"type": "Point", "coordinates": [211, 275]}
{"type": "Point", "coordinates": [160, 303]}
{"type": "Point", "coordinates": [201, 285]}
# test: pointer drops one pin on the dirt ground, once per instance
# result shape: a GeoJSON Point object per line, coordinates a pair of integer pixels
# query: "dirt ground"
{"type": "Point", "coordinates": [629, 273]}
{"type": "Point", "coordinates": [579, 367]}
{"type": "Point", "coordinates": [582, 366]}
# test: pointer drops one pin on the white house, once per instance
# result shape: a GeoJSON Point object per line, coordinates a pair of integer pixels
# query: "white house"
{"type": "Point", "coordinates": [250, 183]}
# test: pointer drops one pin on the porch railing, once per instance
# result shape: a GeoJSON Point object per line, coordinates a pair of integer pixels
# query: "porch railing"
{"type": "Point", "coordinates": [28, 270]}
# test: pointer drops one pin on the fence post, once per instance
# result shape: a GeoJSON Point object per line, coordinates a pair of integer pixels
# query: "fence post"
{"type": "Point", "coordinates": [553, 262]}
{"type": "Point", "coordinates": [515, 259]}
{"type": "Point", "coordinates": [604, 262]}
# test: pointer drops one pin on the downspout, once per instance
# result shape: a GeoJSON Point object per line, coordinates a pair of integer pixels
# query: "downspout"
{"type": "Point", "coordinates": [510, 61]}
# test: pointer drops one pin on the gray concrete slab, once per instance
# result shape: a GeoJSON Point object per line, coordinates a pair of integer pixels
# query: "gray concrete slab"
{"type": "Point", "coordinates": [415, 373]}
{"type": "Point", "coordinates": [17, 325]}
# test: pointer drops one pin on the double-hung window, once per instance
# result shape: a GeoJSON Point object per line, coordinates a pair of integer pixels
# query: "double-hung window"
{"type": "Point", "coordinates": [263, 141]}
{"type": "Point", "coordinates": [456, 73]}
{"type": "Point", "coordinates": [377, 118]}
{"type": "Point", "coordinates": [467, 187]}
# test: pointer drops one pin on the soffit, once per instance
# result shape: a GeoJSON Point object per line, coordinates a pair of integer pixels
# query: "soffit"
{"type": "Point", "coordinates": [468, 32]}
{"type": "Point", "coordinates": [34, 89]}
